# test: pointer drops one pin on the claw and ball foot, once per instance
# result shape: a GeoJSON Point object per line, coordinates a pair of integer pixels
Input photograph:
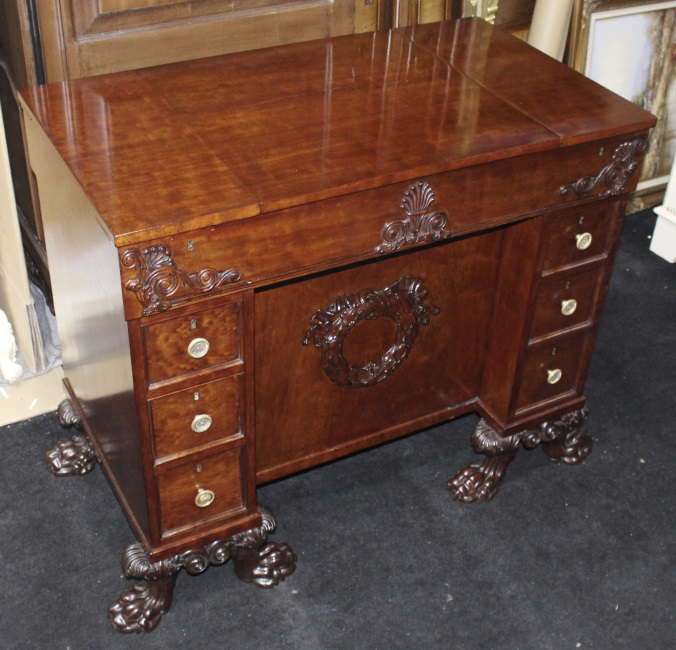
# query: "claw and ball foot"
{"type": "Point", "coordinates": [562, 440]}
{"type": "Point", "coordinates": [140, 608]}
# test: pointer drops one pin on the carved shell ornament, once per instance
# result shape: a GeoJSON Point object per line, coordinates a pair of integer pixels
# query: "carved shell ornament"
{"type": "Point", "coordinates": [421, 223]}
{"type": "Point", "coordinates": [405, 302]}
{"type": "Point", "coordinates": [624, 162]}
{"type": "Point", "coordinates": [161, 285]}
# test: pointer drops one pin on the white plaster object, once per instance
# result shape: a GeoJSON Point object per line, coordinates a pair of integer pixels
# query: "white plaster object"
{"type": "Point", "coordinates": [549, 26]}
{"type": "Point", "coordinates": [663, 242]}
{"type": "Point", "coordinates": [9, 368]}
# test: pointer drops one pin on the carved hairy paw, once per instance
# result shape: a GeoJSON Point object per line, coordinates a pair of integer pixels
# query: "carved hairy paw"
{"type": "Point", "coordinates": [140, 608]}
{"type": "Point", "coordinates": [71, 456]}
{"type": "Point", "coordinates": [267, 566]}
{"type": "Point", "coordinates": [571, 449]}
{"type": "Point", "coordinates": [480, 482]}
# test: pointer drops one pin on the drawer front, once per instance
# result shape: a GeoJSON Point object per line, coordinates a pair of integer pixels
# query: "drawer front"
{"type": "Point", "coordinates": [374, 222]}
{"type": "Point", "coordinates": [564, 302]}
{"type": "Point", "coordinates": [214, 481]}
{"type": "Point", "coordinates": [578, 235]}
{"type": "Point", "coordinates": [550, 372]}
{"type": "Point", "coordinates": [192, 342]}
{"type": "Point", "coordinates": [196, 416]}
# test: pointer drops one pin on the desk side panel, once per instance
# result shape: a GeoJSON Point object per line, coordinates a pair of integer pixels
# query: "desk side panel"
{"type": "Point", "coordinates": [90, 319]}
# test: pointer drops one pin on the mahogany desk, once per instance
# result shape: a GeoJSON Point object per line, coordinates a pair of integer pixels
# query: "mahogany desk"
{"type": "Point", "coordinates": [268, 260]}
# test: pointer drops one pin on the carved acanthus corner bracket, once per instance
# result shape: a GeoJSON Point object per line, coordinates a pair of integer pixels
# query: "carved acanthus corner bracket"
{"type": "Point", "coordinates": [405, 302]}
{"type": "Point", "coordinates": [615, 174]}
{"type": "Point", "coordinates": [421, 224]}
{"type": "Point", "coordinates": [161, 285]}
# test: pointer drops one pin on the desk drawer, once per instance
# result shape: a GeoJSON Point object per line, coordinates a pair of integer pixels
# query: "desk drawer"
{"type": "Point", "coordinates": [192, 341]}
{"type": "Point", "coordinates": [198, 415]}
{"type": "Point", "coordinates": [213, 480]}
{"type": "Point", "coordinates": [578, 235]}
{"type": "Point", "coordinates": [550, 372]}
{"type": "Point", "coordinates": [371, 223]}
{"type": "Point", "coordinates": [564, 302]}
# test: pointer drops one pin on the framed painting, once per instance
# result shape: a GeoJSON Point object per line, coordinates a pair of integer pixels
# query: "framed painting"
{"type": "Point", "coordinates": [629, 46]}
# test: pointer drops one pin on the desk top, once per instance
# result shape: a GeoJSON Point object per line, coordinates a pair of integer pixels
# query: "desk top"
{"type": "Point", "coordinates": [200, 143]}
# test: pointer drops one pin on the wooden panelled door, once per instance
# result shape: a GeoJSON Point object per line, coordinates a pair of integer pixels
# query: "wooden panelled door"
{"type": "Point", "coordinates": [81, 38]}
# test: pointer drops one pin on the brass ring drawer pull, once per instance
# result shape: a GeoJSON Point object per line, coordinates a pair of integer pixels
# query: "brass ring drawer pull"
{"type": "Point", "coordinates": [198, 348]}
{"type": "Point", "coordinates": [568, 307]}
{"type": "Point", "coordinates": [204, 498]}
{"type": "Point", "coordinates": [201, 422]}
{"type": "Point", "coordinates": [583, 241]}
{"type": "Point", "coordinates": [554, 376]}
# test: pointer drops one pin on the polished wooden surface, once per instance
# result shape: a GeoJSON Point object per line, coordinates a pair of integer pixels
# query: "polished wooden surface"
{"type": "Point", "coordinates": [269, 260]}
{"type": "Point", "coordinates": [196, 144]}
{"type": "Point", "coordinates": [555, 96]}
{"type": "Point", "coordinates": [292, 435]}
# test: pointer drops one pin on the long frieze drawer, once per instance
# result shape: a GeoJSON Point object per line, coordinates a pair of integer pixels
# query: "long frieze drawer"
{"type": "Point", "coordinates": [550, 372]}
{"type": "Point", "coordinates": [359, 225]}
{"type": "Point", "coordinates": [196, 416]}
{"type": "Point", "coordinates": [564, 302]}
{"type": "Point", "coordinates": [192, 341]}
{"type": "Point", "coordinates": [578, 235]}
{"type": "Point", "coordinates": [201, 487]}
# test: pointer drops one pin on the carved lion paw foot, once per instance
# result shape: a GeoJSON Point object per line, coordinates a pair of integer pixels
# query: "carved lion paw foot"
{"type": "Point", "coordinates": [71, 456]}
{"type": "Point", "coordinates": [268, 566]}
{"type": "Point", "coordinates": [471, 484]}
{"type": "Point", "coordinates": [571, 449]}
{"type": "Point", "coordinates": [138, 610]}
{"type": "Point", "coordinates": [479, 482]}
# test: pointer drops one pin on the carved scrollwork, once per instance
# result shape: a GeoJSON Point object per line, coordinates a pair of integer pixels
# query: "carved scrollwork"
{"type": "Point", "coordinates": [562, 440]}
{"type": "Point", "coordinates": [161, 285]}
{"type": "Point", "coordinates": [615, 174]}
{"type": "Point", "coordinates": [141, 607]}
{"type": "Point", "coordinates": [67, 415]}
{"type": "Point", "coordinates": [405, 302]}
{"type": "Point", "coordinates": [421, 224]}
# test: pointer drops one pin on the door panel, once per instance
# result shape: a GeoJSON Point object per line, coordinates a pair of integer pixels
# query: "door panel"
{"type": "Point", "coordinates": [90, 37]}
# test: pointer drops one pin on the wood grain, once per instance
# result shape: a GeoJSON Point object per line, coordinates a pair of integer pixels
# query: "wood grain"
{"type": "Point", "coordinates": [289, 166]}
{"type": "Point", "coordinates": [196, 144]}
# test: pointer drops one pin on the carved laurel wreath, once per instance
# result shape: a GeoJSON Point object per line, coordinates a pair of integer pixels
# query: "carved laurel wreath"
{"type": "Point", "coordinates": [161, 284]}
{"type": "Point", "coordinates": [615, 174]}
{"type": "Point", "coordinates": [405, 302]}
{"type": "Point", "coordinates": [420, 223]}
